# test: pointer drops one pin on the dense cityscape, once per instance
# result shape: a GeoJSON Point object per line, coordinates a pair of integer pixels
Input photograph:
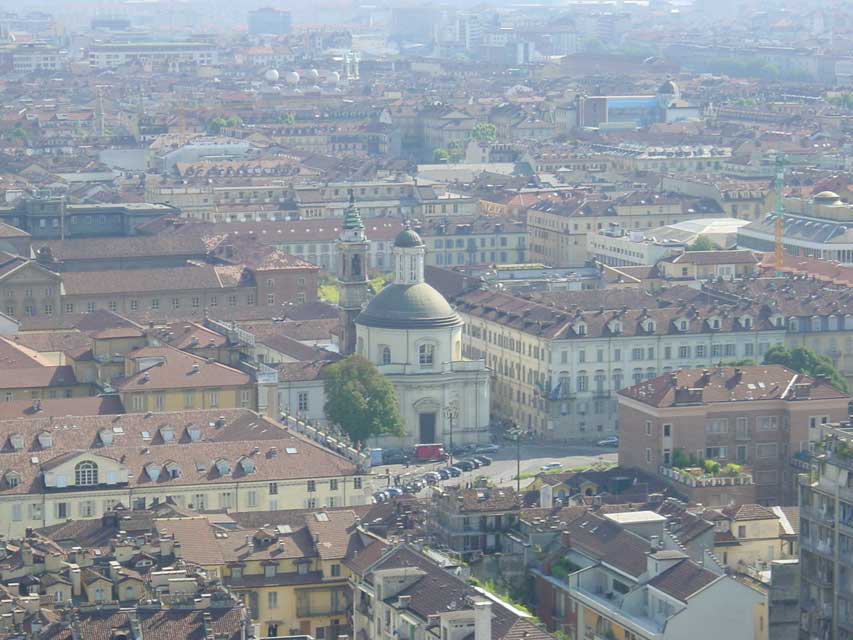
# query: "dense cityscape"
{"type": "Point", "coordinates": [426, 320]}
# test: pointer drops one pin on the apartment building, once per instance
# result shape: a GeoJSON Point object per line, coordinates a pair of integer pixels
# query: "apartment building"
{"type": "Point", "coordinates": [105, 55]}
{"type": "Point", "coordinates": [709, 265]}
{"type": "Point", "coordinates": [291, 576]}
{"type": "Point", "coordinates": [556, 370]}
{"type": "Point", "coordinates": [605, 581]}
{"type": "Point", "coordinates": [826, 539]}
{"type": "Point", "coordinates": [80, 467]}
{"type": "Point", "coordinates": [400, 592]}
{"type": "Point", "coordinates": [745, 199]}
{"type": "Point", "coordinates": [558, 229]}
{"type": "Point", "coordinates": [753, 417]}
{"type": "Point", "coordinates": [470, 521]}
{"type": "Point", "coordinates": [33, 288]}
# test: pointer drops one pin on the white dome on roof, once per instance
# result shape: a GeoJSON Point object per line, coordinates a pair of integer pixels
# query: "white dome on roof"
{"type": "Point", "coordinates": [271, 76]}
{"type": "Point", "coordinates": [292, 77]}
{"type": "Point", "coordinates": [313, 74]}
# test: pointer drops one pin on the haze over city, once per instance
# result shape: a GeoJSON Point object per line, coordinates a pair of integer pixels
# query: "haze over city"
{"type": "Point", "coordinates": [448, 320]}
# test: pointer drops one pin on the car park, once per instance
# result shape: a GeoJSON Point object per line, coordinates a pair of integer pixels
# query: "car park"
{"type": "Point", "coordinates": [394, 456]}
{"type": "Point", "coordinates": [393, 492]}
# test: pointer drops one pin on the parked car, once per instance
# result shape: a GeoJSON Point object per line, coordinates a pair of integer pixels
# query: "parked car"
{"type": "Point", "coordinates": [612, 441]}
{"type": "Point", "coordinates": [394, 456]}
{"type": "Point", "coordinates": [380, 496]}
{"type": "Point", "coordinates": [484, 461]}
{"type": "Point", "coordinates": [454, 471]}
{"type": "Point", "coordinates": [444, 474]}
{"type": "Point", "coordinates": [487, 448]}
{"type": "Point", "coordinates": [551, 465]}
{"type": "Point", "coordinates": [462, 449]}
{"type": "Point", "coordinates": [393, 492]}
{"type": "Point", "coordinates": [465, 465]}
{"type": "Point", "coordinates": [431, 477]}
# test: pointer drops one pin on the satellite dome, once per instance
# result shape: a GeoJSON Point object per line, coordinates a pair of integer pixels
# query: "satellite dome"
{"type": "Point", "coordinates": [315, 89]}
{"type": "Point", "coordinates": [827, 197]}
{"type": "Point", "coordinates": [271, 75]}
{"type": "Point", "coordinates": [335, 78]}
{"type": "Point", "coordinates": [292, 77]}
{"type": "Point", "coordinates": [313, 74]}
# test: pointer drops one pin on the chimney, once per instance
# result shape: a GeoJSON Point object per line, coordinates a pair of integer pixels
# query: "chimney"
{"type": "Point", "coordinates": [482, 619]}
{"type": "Point", "coordinates": [75, 575]}
{"type": "Point", "coordinates": [403, 602]}
{"type": "Point", "coordinates": [566, 540]}
{"type": "Point", "coordinates": [115, 569]}
{"type": "Point", "coordinates": [738, 374]}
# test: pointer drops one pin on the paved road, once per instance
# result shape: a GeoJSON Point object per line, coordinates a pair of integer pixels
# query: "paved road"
{"type": "Point", "coordinates": [503, 470]}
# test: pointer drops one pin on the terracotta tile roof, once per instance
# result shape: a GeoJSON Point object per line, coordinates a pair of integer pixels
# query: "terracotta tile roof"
{"type": "Point", "coordinates": [73, 343]}
{"type": "Point", "coordinates": [37, 377]}
{"type": "Point", "coordinates": [127, 247]}
{"type": "Point", "coordinates": [609, 543]}
{"type": "Point", "coordinates": [192, 277]}
{"type": "Point", "coordinates": [302, 371]}
{"type": "Point", "coordinates": [179, 369]}
{"type": "Point", "coordinates": [728, 384]}
{"type": "Point", "coordinates": [482, 500]}
{"type": "Point", "coordinates": [137, 441]}
{"type": "Point", "coordinates": [92, 405]}
{"type": "Point", "coordinates": [734, 256]}
{"type": "Point", "coordinates": [748, 512]}
{"type": "Point", "coordinates": [333, 533]}
{"type": "Point", "coordinates": [683, 580]}
{"type": "Point", "coordinates": [190, 335]}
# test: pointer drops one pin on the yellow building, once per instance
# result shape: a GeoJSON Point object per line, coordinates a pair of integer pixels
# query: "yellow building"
{"type": "Point", "coordinates": [292, 577]}
{"type": "Point", "coordinates": [168, 379]}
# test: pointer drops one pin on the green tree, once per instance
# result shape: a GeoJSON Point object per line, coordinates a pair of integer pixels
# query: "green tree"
{"type": "Point", "coordinates": [216, 125]}
{"type": "Point", "coordinates": [234, 121]}
{"type": "Point", "coordinates": [456, 151]}
{"type": "Point", "coordinates": [804, 360]}
{"type": "Point", "coordinates": [484, 132]}
{"type": "Point", "coordinates": [440, 156]}
{"type": "Point", "coordinates": [287, 118]}
{"type": "Point", "coordinates": [361, 400]}
{"type": "Point", "coordinates": [702, 243]}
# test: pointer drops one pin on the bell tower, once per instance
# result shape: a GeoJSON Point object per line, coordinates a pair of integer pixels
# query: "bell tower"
{"type": "Point", "coordinates": [352, 274]}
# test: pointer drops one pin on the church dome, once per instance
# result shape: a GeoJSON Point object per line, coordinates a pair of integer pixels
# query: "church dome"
{"type": "Point", "coordinates": [409, 306]}
{"type": "Point", "coordinates": [408, 238]}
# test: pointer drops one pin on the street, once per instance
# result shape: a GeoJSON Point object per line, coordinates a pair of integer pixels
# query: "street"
{"type": "Point", "coordinates": [502, 471]}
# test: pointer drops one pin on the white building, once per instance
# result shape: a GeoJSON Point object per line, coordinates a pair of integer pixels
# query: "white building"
{"type": "Point", "coordinates": [617, 247]}
{"type": "Point", "coordinates": [415, 338]}
{"type": "Point", "coordinates": [107, 55]}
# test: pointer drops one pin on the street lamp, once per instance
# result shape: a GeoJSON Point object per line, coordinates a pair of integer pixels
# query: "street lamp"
{"type": "Point", "coordinates": [516, 433]}
{"type": "Point", "coordinates": [451, 412]}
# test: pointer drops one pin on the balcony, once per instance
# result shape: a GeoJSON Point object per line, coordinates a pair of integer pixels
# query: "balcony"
{"type": "Point", "coordinates": [308, 611]}
{"type": "Point", "coordinates": [820, 546]}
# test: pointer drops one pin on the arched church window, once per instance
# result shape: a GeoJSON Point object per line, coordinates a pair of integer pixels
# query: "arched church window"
{"type": "Point", "coordinates": [385, 354]}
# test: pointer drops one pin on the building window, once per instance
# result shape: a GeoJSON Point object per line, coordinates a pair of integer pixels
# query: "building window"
{"type": "Point", "coordinates": [189, 399]}
{"type": "Point", "coordinates": [426, 355]}
{"type": "Point", "coordinates": [270, 283]}
{"type": "Point", "coordinates": [302, 401]}
{"type": "Point", "coordinates": [245, 397]}
{"type": "Point", "coordinates": [250, 299]}
{"type": "Point", "coordinates": [648, 455]}
{"type": "Point", "coordinates": [159, 401]}
{"type": "Point", "coordinates": [90, 307]}
{"type": "Point", "coordinates": [386, 355]}
{"type": "Point", "coordinates": [648, 427]}
{"type": "Point", "coordinates": [138, 402]}
{"type": "Point", "coordinates": [684, 352]}
{"type": "Point", "coordinates": [176, 303]}
{"type": "Point", "coordinates": [232, 301]}
{"type": "Point", "coordinates": [701, 351]}
{"type": "Point", "coordinates": [270, 298]}
{"type": "Point", "coordinates": [134, 305]}
{"type": "Point", "coordinates": [333, 485]}
{"type": "Point", "coordinates": [273, 487]}
{"type": "Point", "coordinates": [155, 303]}
{"type": "Point", "coordinates": [716, 453]}
{"type": "Point", "coordinates": [272, 596]}
{"type": "Point", "coordinates": [767, 423]}
{"type": "Point", "coordinates": [87, 508]}
{"type": "Point", "coordinates": [312, 486]}
{"type": "Point", "coordinates": [86, 474]}
{"type": "Point", "coordinates": [336, 571]}
{"type": "Point", "coordinates": [196, 302]}
{"type": "Point", "coordinates": [356, 483]}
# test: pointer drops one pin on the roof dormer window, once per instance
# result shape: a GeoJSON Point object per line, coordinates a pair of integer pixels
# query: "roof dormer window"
{"type": "Point", "coordinates": [106, 436]}
{"type": "Point", "coordinates": [45, 439]}
{"type": "Point", "coordinates": [649, 325]}
{"type": "Point", "coordinates": [12, 478]}
{"type": "Point", "coordinates": [247, 465]}
{"type": "Point", "coordinates": [153, 470]}
{"type": "Point", "coordinates": [714, 323]}
{"type": "Point", "coordinates": [173, 469]}
{"type": "Point", "coordinates": [615, 326]}
{"type": "Point", "coordinates": [167, 433]}
{"type": "Point", "coordinates": [580, 328]}
{"type": "Point", "coordinates": [222, 467]}
{"type": "Point", "coordinates": [746, 322]}
{"type": "Point", "coordinates": [16, 440]}
{"type": "Point", "coordinates": [194, 432]}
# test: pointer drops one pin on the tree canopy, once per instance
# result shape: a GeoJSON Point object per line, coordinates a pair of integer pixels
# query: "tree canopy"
{"type": "Point", "coordinates": [361, 400]}
{"type": "Point", "coordinates": [484, 132]}
{"type": "Point", "coordinates": [804, 360]}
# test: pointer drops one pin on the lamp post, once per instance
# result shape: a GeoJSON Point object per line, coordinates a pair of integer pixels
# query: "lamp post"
{"type": "Point", "coordinates": [451, 412]}
{"type": "Point", "coordinates": [517, 434]}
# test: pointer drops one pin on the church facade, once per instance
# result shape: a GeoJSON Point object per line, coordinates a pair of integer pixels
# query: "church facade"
{"type": "Point", "coordinates": [414, 337]}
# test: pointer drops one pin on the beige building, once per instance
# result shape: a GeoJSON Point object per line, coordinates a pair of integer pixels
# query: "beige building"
{"type": "Point", "coordinates": [557, 229]}
{"type": "Point", "coordinates": [79, 467]}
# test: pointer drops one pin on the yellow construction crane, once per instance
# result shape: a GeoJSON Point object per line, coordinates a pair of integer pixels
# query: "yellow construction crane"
{"type": "Point", "coordinates": [779, 214]}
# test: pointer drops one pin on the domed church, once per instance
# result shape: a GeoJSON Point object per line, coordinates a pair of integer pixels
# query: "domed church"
{"type": "Point", "coordinates": [411, 333]}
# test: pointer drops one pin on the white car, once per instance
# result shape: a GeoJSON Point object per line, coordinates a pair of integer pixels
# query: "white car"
{"type": "Point", "coordinates": [612, 441]}
{"type": "Point", "coordinates": [551, 465]}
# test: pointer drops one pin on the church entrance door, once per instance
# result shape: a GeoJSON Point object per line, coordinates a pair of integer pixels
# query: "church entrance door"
{"type": "Point", "coordinates": [427, 427]}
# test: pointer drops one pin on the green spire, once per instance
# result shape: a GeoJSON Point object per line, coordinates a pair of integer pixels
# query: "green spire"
{"type": "Point", "coordinates": [352, 217]}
